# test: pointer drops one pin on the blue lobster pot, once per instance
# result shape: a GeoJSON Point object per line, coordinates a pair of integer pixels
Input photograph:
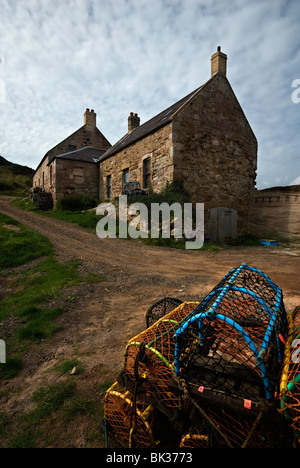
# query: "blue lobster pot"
{"type": "Point", "coordinates": [230, 348]}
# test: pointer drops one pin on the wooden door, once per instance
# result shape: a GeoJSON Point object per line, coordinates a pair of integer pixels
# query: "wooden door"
{"type": "Point", "coordinates": [222, 224]}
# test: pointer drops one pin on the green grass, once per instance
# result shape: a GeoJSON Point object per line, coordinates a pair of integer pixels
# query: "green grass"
{"type": "Point", "coordinates": [4, 423]}
{"type": "Point", "coordinates": [20, 246]}
{"type": "Point", "coordinates": [66, 367]}
{"type": "Point", "coordinates": [173, 193]}
{"type": "Point", "coordinates": [48, 401]}
{"type": "Point", "coordinates": [38, 285]}
{"type": "Point", "coordinates": [11, 369]}
{"type": "Point", "coordinates": [181, 244]}
{"type": "Point", "coordinates": [85, 219]}
{"type": "Point", "coordinates": [28, 320]}
{"type": "Point", "coordinates": [14, 179]}
{"type": "Point", "coordinates": [58, 404]}
{"type": "Point", "coordinates": [33, 287]}
{"type": "Point", "coordinates": [245, 240]}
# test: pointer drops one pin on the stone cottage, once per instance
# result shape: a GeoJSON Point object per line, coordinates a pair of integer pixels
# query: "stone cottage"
{"type": "Point", "coordinates": [204, 140]}
{"type": "Point", "coordinates": [71, 167]}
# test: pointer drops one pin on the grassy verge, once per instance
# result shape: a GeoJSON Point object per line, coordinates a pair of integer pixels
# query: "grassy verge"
{"type": "Point", "coordinates": [58, 409]}
{"type": "Point", "coordinates": [85, 219]}
{"type": "Point", "coordinates": [31, 277]}
{"type": "Point", "coordinates": [19, 244]}
{"type": "Point", "coordinates": [173, 193]}
{"type": "Point", "coordinates": [30, 289]}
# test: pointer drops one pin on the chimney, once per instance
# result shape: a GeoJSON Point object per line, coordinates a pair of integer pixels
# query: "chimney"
{"type": "Point", "coordinates": [133, 122]}
{"type": "Point", "coordinates": [218, 62]}
{"type": "Point", "coordinates": [90, 118]}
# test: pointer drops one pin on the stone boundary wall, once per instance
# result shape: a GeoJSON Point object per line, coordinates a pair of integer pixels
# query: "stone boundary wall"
{"type": "Point", "coordinates": [275, 213]}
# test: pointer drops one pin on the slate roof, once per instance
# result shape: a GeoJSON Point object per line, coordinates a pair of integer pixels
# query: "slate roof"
{"type": "Point", "coordinates": [86, 154]}
{"type": "Point", "coordinates": [160, 120]}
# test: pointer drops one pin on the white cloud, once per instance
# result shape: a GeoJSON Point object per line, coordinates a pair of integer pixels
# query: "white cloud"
{"type": "Point", "coordinates": [117, 56]}
{"type": "Point", "coordinates": [295, 181]}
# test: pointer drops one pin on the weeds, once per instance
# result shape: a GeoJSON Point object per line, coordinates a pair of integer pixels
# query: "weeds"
{"type": "Point", "coordinates": [84, 219]}
{"type": "Point", "coordinates": [26, 320]}
{"type": "Point", "coordinates": [21, 246]}
{"type": "Point", "coordinates": [49, 400]}
{"type": "Point", "coordinates": [56, 404]}
{"type": "Point", "coordinates": [34, 286]}
{"type": "Point", "coordinates": [66, 367]}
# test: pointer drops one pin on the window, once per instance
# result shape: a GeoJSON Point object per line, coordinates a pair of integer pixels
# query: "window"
{"type": "Point", "coordinates": [51, 175]}
{"type": "Point", "coordinates": [108, 186]}
{"type": "Point", "coordinates": [43, 180]}
{"type": "Point", "coordinates": [72, 147]}
{"type": "Point", "coordinates": [146, 172]}
{"type": "Point", "coordinates": [125, 176]}
{"type": "Point", "coordinates": [78, 175]}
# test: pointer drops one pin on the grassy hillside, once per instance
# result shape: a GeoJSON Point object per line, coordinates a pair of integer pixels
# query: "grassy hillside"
{"type": "Point", "coordinates": [14, 178]}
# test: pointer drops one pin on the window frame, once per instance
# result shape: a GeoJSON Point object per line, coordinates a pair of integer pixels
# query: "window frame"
{"type": "Point", "coordinates": [108, 186]}
{"type": "Point", "coordinates": [125, 173]}
{"type": "Point", "coordinates": [146, 173]}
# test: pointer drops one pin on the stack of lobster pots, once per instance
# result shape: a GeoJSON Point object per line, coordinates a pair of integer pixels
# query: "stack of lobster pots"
{"type": "Point", "coordinates": [215, 373]}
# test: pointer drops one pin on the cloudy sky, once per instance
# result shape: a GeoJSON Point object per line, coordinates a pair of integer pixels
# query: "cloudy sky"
{"type": "Point", "coordinates": [58, 57]}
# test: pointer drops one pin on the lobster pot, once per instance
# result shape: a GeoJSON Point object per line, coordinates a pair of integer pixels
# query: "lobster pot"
{"type": "Point", "coordinates": [230, 349]}
{"type": "Point", "coordinates": [149, 358]}
{"type": "Point", "coordinates": [43, 200]}
{"type": "Point", "coordinates": [194, 439]}
{"type": "Point", "coordinates": [160, 309]}
{"type": "Point", "coordinates": [234, 429]}
{"type": "Point", "coordinates": [131, 423]}
{"type": "Point", "coordinates": [290, 379]}
{"type": "Point", "coordinates": [223, 428]}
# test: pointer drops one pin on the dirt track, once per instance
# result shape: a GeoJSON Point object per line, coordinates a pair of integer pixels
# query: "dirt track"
{"type": "Point", "coordinates": [98, 325]}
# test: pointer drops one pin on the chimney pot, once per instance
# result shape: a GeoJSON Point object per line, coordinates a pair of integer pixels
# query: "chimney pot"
{"type": "Point", "coordinates": [218, 62]}
{"type": "Point", "coordinates": [133, 122]}
{"type": "Point", "coordinates": [90, 117]}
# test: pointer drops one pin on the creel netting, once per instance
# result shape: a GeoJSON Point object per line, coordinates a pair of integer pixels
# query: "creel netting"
{"type": "Point", "coordinates": [154, 366]}
{"type": "Point", "coordinates": [290, 379]}
{"type": "Point", "coordinates": [231, 347]}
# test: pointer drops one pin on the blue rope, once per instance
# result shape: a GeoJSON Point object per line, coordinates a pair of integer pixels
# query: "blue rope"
{"type": "Point", "coordinates": [199, 315]}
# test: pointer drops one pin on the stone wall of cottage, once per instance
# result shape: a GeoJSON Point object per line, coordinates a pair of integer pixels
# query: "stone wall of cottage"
{"type": "Point", "coordinates": [76, 178]}
{"type": "Point", "coordinates": [68, 178]}
{"type": "Point", "coordinates": [84, 136]}
{"type": "Point", "coordinates": [275, 213]}
{"type": "Point", "coordinates": [215, 150]}
{"type": "Point", "coordinates": [42, 177]}
{"type": "Point", "coordinates": [156, 146]}
{"type": "Point", "coordinates": [87, 135]}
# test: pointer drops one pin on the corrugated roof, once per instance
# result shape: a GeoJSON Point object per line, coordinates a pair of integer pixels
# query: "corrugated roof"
{"type": "Point", "coordinates": [160, 120]}
{"type": "Point", "coordinates": [86, 154]}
